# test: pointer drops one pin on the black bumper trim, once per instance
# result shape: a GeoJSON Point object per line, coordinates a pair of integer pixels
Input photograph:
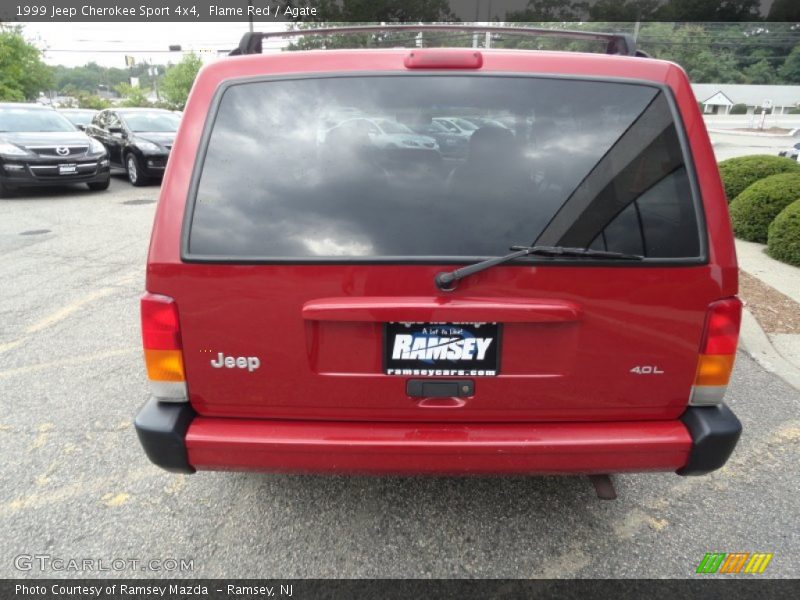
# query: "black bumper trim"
{"type": "Point", "coordinates": [27, 181]}
{"type": "Point", "coordinates": [715, 430]}
{"type": "Point", "coordinates": [161, 427]}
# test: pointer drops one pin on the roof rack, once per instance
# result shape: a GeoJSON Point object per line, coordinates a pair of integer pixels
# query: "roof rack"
{"type": "Point", "coordinates": [616, 43]}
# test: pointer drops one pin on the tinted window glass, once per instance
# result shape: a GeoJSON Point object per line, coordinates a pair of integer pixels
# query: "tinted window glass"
{"type": "Point", "coordinates": [151, 121]}
{"type": "Point", "coordinates": [349, 167]}
{"type": "Point", "coordinates": [79, 117]}
{"type": "Point", "coordinates": [33, 119]}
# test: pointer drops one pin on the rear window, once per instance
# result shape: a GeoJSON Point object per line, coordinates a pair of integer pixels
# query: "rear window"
{"type": "Point", "coordinates": [353, 168]}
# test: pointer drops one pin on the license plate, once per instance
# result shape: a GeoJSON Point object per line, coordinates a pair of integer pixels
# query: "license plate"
{"type": "Point", "coordinates": [67, 169]}
{"type": "Point", "coordinates": [441, 349]}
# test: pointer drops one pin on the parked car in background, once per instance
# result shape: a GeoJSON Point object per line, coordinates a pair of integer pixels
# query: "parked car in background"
{"type": "Point", "coordinates": [457, 125]}
{"type": "Point", "coordinates": [792, 152]}
{"type": "Point", "coordinates": [450, 143]}
{"type": "Point", "coordinates": [384, 133]}
{"type": "Point", "coordinates": [138, 140]}
{"type": "Point", "coordinates": [485, 122]}
{"type": "Point", "coordinates": [80, 117]}
{"type": "Point", "coordinates": [561, 299]}
{"type": "Point", "coordinates": [40, 147]}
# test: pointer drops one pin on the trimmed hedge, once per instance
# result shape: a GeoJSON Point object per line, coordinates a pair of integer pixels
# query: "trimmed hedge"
{"type": "Point", "coordinates": [738, 109]}
{"type": "Point", "coordinates": [741, 172]}
{"type": "Point", "coordinates": [784, 235]}
{"type": "Point", "coordinates": [755, 208]}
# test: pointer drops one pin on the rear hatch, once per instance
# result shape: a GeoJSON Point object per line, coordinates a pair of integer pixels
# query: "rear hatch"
{"type": "Point", "coordinates": [310, 251]}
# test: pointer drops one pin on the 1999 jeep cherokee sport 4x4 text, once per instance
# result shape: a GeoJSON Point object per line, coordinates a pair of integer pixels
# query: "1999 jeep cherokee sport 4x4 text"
{"type": "Point", "coordinates": [320, 302]}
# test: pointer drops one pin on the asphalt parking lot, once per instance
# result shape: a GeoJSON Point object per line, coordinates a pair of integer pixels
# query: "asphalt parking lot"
{"type": "Point", "coordinates": [75, 484]}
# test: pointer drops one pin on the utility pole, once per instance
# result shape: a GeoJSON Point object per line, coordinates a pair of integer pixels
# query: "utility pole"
{"type": "Point", "coordinates": [250, 15]}
{"type": "Point", "coordinates": [477, 18]}
{"type": "Point", "coordinates": [154, 75]}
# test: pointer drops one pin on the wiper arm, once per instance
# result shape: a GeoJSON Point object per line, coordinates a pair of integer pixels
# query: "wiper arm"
{"type": "Point", "coordinates": [447, 280]}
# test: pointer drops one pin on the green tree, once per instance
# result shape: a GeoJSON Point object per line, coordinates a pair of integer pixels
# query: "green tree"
{"type": "Point", "coordinates": [87, 77]}
{"type": "Point", "coordinates": [83, 78]}
{"type": "Point", "coordinates": [710, 11]}
{"type": "Point", "coordinates": [22, 73]}
{"type": "Point", "coordinates": [178, 81]}
{"type": "Point", "coordinates": [91, 101]}
{"type": "Point", "coordinates": [623, 10]}
{"type": "Point", "coordinates": [132, 96]}
{"type": "Point", "coordinates": [550, 10]}
{"type": "Point", "coordinates": [760, 72]}
{"type": "Point", "coordinates": [690, 46]}
{"type": "Point", "coordinates": [790, 70]}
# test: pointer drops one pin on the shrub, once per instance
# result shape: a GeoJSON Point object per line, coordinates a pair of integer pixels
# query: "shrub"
{"type": "Point", "coordinates": [739, 173]}
{"type": "Point", "coordinates": [794, 111]}
{"type": "Point", "coordinates": [738, 109]}
{"type": "Point", "coordinates": [784, 235]}
{"type": "Point", "coordinates": [756, 207]}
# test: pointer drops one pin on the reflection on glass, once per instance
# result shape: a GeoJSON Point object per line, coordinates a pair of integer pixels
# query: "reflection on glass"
{"type": "Point", "coordinates": [370, 167]}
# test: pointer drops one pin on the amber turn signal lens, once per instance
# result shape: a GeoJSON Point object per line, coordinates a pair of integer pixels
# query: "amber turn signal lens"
{"type": "Point", "coordinates": [164, 365]}
{"type": "Point", "coordinates": [714, 369]}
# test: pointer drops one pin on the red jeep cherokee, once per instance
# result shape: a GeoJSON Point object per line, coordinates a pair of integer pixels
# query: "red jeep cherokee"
{"type": "Point", "coordinates": [319, 296]}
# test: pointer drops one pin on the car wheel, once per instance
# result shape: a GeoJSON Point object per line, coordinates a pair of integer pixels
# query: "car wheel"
{"type": "Point", "coordinates": [134, 169]}
{"type": "Point", "coordinates": [5, 191]}
{"type": "Point", "coordinates": [97, 186]}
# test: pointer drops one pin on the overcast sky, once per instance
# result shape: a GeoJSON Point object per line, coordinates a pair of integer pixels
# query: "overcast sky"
{"type": "Point", "coordinates": [73, 44]}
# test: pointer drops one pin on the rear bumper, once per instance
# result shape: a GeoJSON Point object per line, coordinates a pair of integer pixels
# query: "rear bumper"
{"type": "Point", "coordinates": [177, 440]}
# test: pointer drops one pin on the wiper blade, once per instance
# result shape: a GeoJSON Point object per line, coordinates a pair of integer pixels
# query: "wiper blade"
{"type": "Point", "coordinates": [564, 251]}
{"type": "Point", "coordinates": [447, 280]}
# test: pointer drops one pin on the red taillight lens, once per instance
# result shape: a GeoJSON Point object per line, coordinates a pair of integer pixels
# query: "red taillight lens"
{"type": "Point", "coordinates": [161, 337]}
{"type": "Point", "coordinates": [160, 329]}
{"type": "Point", "coordinates": [722, 327]}
{"type": "Point", "coordinates": [717, 352]}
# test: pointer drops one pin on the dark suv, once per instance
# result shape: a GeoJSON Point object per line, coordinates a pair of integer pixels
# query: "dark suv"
{"type": "Point", "coordinates": [138, 140]}
{"type": "Point", "coordinates": [39, 147]}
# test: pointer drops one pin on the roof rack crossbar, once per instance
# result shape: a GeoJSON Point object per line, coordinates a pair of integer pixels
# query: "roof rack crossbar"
{"type": "Point", "coordinates": [616, 43]}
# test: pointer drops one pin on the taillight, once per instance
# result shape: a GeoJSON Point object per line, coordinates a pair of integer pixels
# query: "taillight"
{"type": "Point", "coordinates": [717, 351]}
{"type": "Point", "coordinates": [161, 337]}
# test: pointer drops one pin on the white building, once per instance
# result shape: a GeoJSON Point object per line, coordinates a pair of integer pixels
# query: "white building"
{"type": "Point", "coordinates": [719, 98]}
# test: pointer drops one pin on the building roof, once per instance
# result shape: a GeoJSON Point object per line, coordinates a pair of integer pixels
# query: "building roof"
{"type": "Point", "coordinates": [719, 99]}
{"type": "Point", "coordinates": [751, 95]}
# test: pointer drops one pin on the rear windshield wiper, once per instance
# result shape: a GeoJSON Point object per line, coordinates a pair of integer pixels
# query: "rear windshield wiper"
{"type": "Point", "coordinates": [447, 280]}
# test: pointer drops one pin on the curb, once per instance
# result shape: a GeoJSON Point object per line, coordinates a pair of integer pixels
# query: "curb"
{"type": "Point", "coordinates": [755, 342]}
{"type": "Point", "coordinates": [791, 133]}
